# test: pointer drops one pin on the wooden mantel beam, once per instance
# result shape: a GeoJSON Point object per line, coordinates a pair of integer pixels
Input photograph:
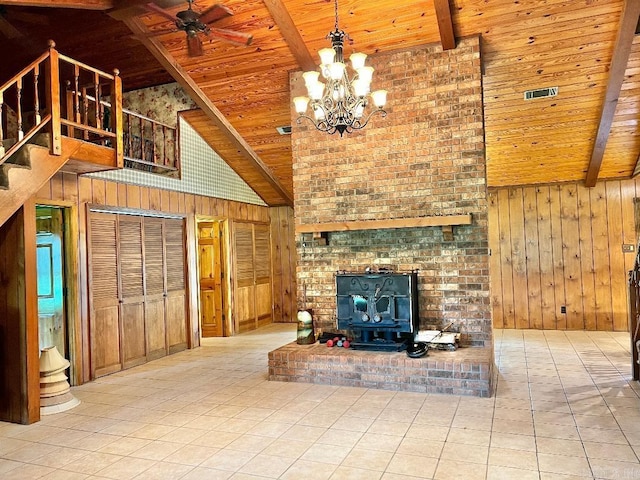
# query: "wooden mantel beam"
{"type": "Point", "coordinates": [200, 98]}
{"type": "Point", "coordinates": [291, 35]}
{"type": "Point", "coordinates": [79, 4]}
{"type": "Point", "coordinates": [445, 25]}
{"type": "Point", "coordinates": [622, 49]}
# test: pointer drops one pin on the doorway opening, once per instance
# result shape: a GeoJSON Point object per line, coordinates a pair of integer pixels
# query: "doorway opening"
{"type": "Point", "coordinates": [51, 264]}
{"type": "Point", "coordinates": [213, 278]}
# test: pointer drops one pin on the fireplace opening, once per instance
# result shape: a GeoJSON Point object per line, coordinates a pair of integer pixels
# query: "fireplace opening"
{"type": "Point", "coordinates": [380, 309]}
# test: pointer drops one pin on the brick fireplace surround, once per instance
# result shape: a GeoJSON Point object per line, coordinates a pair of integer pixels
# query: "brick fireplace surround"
{"type": "Point", "coordinates": [425, 159]}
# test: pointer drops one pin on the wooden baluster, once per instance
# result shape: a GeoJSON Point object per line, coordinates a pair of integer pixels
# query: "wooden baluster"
{"type": "Point", "coordinates": [153, 142]}
{"type": "Point", "coordinates": [99, 113]}
{"type": "Point", "coordinates": [76, 94]}
{"type": "Point", "coordinates": [19, 108]}
{"type": "Point", "coordinates": [1, 131]}
{"type": "Point", "coordinates": [142, 145]}
{"type": "Point", "coordinates": [36, 98]}
{"type": "Point", "coordinates": [85, 112]}
{"type": "Point", "coordinates": [69, 109]}
{"type": "Point", "coordinates": [130, 139]}
{"type": "Point", "coordinates": [165, 157]}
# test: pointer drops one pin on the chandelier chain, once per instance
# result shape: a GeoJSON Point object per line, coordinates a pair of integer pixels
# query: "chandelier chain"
{"type": "Point", "coordinates": [336, 8]}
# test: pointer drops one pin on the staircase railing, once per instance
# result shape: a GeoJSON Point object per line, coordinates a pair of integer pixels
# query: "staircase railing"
{"type": "Point", "coordinates": [21, 105]}
{"type": "Point", "coordinates": [17, 123]}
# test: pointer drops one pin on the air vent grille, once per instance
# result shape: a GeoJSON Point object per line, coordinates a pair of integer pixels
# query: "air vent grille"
{"type": "Point", "coordinates": [541, 93]}
{"type": "Point", "coordinates": [285, 130]}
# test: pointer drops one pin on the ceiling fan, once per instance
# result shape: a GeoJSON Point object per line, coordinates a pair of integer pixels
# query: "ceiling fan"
{"type": "Point", "coordinates": [194, 23]}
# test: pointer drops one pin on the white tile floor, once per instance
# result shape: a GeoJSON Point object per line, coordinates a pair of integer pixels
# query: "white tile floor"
{"type": "Point", "coordinates": [564, 408]}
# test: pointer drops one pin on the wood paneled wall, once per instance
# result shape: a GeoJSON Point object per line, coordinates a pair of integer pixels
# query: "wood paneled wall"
{"type": "Point", "coordinates": [283, 264]}
{"type": "Point", "coordinates": [67, 188]}
{"type": "Point", "coordinates": [562, 246]}
{"type": "Point", "coordinates": [19, 372]}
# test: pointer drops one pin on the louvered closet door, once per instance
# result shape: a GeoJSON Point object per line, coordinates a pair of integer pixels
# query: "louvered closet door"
{"type": "Point", "coordinates": [262, 268]}
{"type": "Point", "coordinates": [156, 330]}
{"type": "Point", "coordinates": [176, 300]}
{"type": "Point", "coordinates": [103, 289]}
{"type": "Point", "coordinates": [134, 349]}
{"type": "Point", "coordinates": [245, 301]}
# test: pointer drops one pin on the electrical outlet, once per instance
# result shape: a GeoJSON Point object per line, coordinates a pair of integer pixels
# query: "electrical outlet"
{"type": "Point", "coordinates": [628, 247]}
{"type": "Point", "coordinates": [563, 309]}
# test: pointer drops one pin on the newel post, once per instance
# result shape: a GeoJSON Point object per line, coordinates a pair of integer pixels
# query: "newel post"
{"type": "Point", "coordinates": [116, 117]}
{"type": "Point", "coordinates": [53, 98]}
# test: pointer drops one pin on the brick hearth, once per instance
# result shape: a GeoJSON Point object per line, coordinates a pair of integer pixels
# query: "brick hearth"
{"type": "Point", "coordinates": [467, 371]}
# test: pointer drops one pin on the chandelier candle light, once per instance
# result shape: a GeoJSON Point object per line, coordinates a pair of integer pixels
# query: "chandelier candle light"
{"type": "Point", "coordinates": [340, 103]}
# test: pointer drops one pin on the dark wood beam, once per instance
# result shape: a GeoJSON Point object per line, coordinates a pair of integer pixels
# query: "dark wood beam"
{"type": "Point", "coordinates": [445, 25]}
{"type": "Point", "coordinates": [622, 49]}
{"type": "Point", "coordinates": [291, 34]}
{"type": "Point", "coordinates": [79, 4]}
{"type": "Point", "coordinates": [200, 98]}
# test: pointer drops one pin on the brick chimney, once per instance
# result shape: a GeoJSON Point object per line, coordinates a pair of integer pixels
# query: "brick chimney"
{"type": "Point", "coordinates": [425, 159]}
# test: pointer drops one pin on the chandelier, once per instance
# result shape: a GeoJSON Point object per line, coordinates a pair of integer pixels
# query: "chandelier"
{"type": "Point", "coordinates": [340, 103]}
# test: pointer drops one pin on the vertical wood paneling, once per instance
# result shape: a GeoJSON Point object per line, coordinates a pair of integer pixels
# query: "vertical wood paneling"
{"type": "Point", "coordinates": [573, 239]}
{"type": "Point", "coordinates": [586, 256]}
{"type": "Point", "coordinates": [496, 272]}
{"type": "Point", "coordinates": [532, 249]}
{"type": "Point", "coordinates": [518, 258]}
{"type": "Point", "coordinates": [571, 268]}
{"type": "Point", "coordinates": [557, 248]}
{"type": "Point", "coordinates": [545, 254]}
{"type": "Point", "coordinates": [506, 266]}
{"type": "Point", "coordinates": [604, 313]}
{"type": "Point", "coordinates": [616, 257]}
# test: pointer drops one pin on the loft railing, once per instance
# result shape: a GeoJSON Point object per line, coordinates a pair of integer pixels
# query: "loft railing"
{"type": "Point", "coordinates": [149, 145]}
{"type": "Point", "coordinates": [31, 100]}
{"type": "Point", "coordinates": [90, 109]}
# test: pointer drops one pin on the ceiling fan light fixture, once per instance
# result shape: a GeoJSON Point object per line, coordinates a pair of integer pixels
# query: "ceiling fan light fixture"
{"type": "Point", "coordinates": [340, 104]}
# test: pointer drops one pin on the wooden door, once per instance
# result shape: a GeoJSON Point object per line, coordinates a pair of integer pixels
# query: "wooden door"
{"type": "Point", "coordinates": [103, 290]}
{"type": "Point", "coordinates": [211, 273]}
{"type": "Point", "coordinates": [132, 290]}
{"type": "Point", "coordinates": [253, 301]}
{"type": "Point", "coordinates": [156, 330]}
{"type": "Point", "coordinates": [176, 294]}
{"type": "Point", "coordinates": [244, 301]}
{"type": "Point", "coordinates": [50, 267]}
{"type": "Point", "coordinates": [262, 274]}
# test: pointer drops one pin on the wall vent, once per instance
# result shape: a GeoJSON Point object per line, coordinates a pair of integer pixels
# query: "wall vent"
{"type": "Point", "coordinates": [285, 130]}
{"type": "Point", "coordinates": [541, 93]}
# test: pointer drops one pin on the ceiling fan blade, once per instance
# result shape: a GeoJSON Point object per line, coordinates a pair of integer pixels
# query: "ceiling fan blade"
{"type": "Point", "coordinates": [156, 33]}
{"type": "Point", "coordinates": [231, 36]}
{"type": "Point", "coordinates": [9, 30]}
{"type": "Point", "coordinates": [152, 7]}
{"type": "Point", "coordinates": [215, 13]}
{"type": "Point", "coordinates": [195, 46]}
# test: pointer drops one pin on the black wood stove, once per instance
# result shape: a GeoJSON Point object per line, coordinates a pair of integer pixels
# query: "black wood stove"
{"type": "Point", "coordinates": [381, 308]}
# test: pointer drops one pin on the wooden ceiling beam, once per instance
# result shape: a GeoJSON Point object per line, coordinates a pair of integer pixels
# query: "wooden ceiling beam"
{"type": "Point", "coordinates": [622, 49]}
{"type": "Point", "coordinates": [79, 4]}
{"type": "Point", "coordinates": [445, 24]}
{"type": "Point", "coordinates": [291, 35]}
{"type": "Point", "coordinates": [198, 96]}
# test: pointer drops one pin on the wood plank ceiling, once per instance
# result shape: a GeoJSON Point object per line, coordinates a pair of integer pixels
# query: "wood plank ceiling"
{"type": "Point", "coordinates": [569, 44]}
